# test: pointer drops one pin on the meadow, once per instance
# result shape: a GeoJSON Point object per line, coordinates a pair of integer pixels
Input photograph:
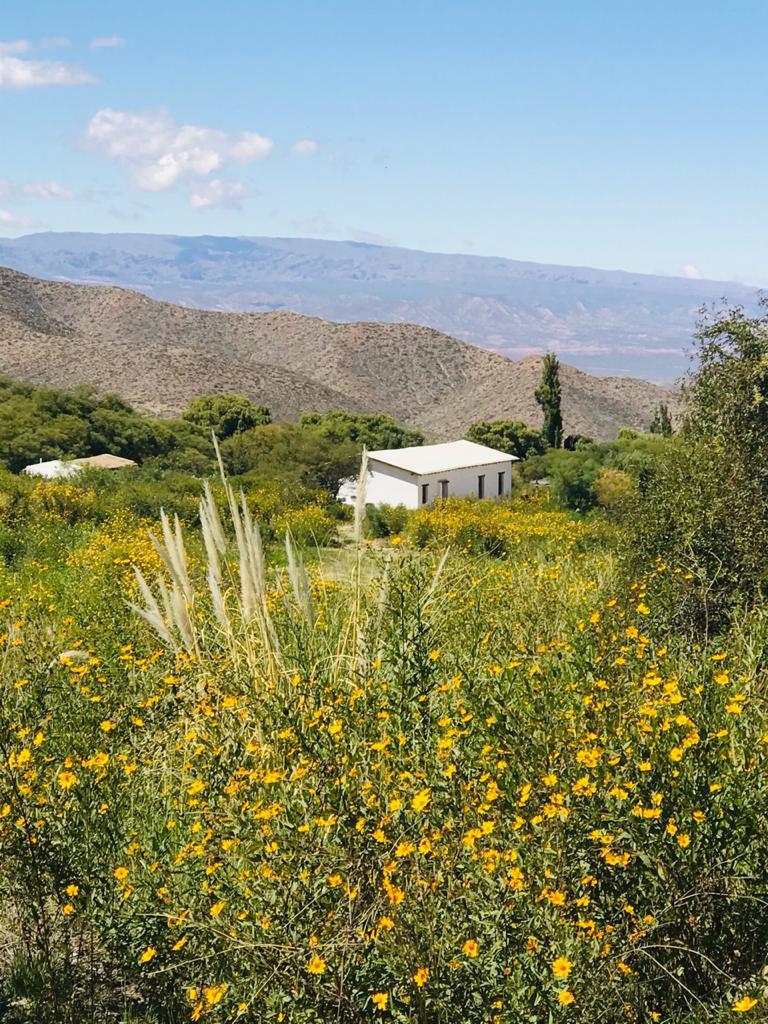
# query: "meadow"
{"type": "Point", "coordinates": [478, 775]}
{"type": "Point", "coordinates": [481, 763]}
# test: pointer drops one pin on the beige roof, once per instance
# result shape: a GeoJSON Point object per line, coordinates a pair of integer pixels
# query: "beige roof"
{"type": "Point", "coordinates": [439, 458]}
{"type": "Point", "coordinates": [105, 461]}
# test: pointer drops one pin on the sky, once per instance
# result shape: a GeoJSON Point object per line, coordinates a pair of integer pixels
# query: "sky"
{"type": "Point", "coordinates": [605, 134]}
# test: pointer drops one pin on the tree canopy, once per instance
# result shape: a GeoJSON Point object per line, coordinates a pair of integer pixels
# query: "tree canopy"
{"type": "Point", "coordinates": [372, 430]}
{"type": "Point", "coordinates": [226, 415]}
{"type": "Point", "coordinates": [291, 453]}
{"type": "Point", "coordinates": [46, 423]}
{"type": "Point", "coordinates": [511, 436]}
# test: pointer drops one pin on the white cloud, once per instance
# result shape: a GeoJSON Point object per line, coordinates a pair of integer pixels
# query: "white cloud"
{"type": "Point", "coordinates": [304, 148]}
{"type": "Point", "coordinates": [34, 190]}
{"type": "Point", "coordinates": [691, 271]}
{"type": "Point", "coordinates": [12, 220]}
{"type": "Point", "coordinates": [104, 42]}
{"type": "Point", "coordinates": [250, 146]}
{"type": "Point", "coordinates": [218, 193]}
{"type": "Point", "coordinates": [16, 73]}
{"type": "Point", "coordinates": [158, 153]}
{"type": "Point", "coordinates": [15, 46]}
{"type": "Point", "coordinates": [46, 190]}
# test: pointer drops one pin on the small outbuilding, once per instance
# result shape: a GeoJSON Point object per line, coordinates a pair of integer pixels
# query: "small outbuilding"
{"type": "Point", "coordinates": [417, 476]}
{"type": "Point", "coordinates": [58, 469]}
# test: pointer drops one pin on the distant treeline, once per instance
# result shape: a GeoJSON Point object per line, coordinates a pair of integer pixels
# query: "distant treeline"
{"type": "Point", "coordinates": [321, 449]}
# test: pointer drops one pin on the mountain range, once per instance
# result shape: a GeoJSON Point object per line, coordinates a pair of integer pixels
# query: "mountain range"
{"type": "Point", "coordinates": [602, 321]}
{"type": "Point", "coordinates": [159, 356]}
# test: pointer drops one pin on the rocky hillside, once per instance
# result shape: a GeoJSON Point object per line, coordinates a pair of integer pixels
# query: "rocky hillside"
{"type": "Point", "coordinates": [158, 356]}
{"type": "Point", "coordinates": [603, 321]}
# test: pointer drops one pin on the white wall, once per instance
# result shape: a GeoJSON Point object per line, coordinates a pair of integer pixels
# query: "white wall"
{"type": "Point", "coordinates": [462, 483]}
{"type": "Point", "coordinates": [390, 486]}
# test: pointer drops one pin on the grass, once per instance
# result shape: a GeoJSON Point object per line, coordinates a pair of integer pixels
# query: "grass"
{"type": "Point", "coordinates": [416, 787]}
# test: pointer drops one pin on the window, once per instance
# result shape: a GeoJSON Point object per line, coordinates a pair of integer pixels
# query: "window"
{"type": "Point", "coordinates": [502, 476]}
{"type": "Point", "coordinates": [443, 484]}
{"type": "Point", "coordinates": [481, 486]}
{"type": "Point", "coordinates": [424, 494]}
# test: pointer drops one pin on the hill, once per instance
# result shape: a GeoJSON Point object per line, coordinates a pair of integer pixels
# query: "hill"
{"type": "Point", "coordinates": [606, 322]}
{"type": "Point", "coordinates": [158, 356]}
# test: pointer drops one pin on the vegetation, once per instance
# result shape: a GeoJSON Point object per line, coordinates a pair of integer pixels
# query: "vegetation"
{"type": "Point", "coordinates": [709, 491]}
{"type": "Point", "coordinates": [511, 436]}
{"type": "Point", "coordinates": [370, 430]}
{"type": "Point", "coordinates": [548, 395]}
{"type": "Point", "coordinates": [226, 415]}
{"type": "Point", "coordinates": [43, 423]}
{"type": "Point", "coordinates": [503, 761]}
{"type": "Point", "coordinates": [662, 421]}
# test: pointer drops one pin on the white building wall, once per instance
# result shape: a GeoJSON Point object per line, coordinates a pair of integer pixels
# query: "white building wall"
{"type": "Point", "coordinates": [387, 485]}
{"type": "Point", "coordinates": [463, 483]}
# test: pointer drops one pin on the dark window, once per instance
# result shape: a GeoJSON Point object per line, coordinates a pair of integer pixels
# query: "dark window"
{"type": "Point", "coordinates": [502, 475]}
{"type": "Point", "coordinates": [443, 488]}
{"type": "Point", "coordinates": [481, 486]}
{"type": "Point", "coordinates": [424, 494]}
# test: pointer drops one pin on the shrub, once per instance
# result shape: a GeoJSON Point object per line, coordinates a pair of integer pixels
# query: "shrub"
{"type": "Point", "coordinates": [385, 520]}
{"type": "Point", "coordinates": [68, 502]}
{"type": "Point", "coordinates": [613, 489]}
{"type": "Point", "coordinates": [308, 526]}
{"type": "Point", "coordinates": [704, 507]}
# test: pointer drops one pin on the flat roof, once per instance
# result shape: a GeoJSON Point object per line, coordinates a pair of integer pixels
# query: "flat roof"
{"type": "Point", "coordinates": [440, 458]}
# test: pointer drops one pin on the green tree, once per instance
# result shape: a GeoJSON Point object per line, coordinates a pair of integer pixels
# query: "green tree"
{"type": "Point", "coordinates": [574, 441]}
{"type": "Point", "coordinates": [226, 415]}
{"type": "Point", "coordinates": [548, 395]}
{"type": "Point", "coordinates": [705, 506]}
{"type": "Point", "coordinates": [511, 436]}
{"type": "Point", "coordinates": [291, 454]}
{"type": "Point", "coordinates": [374, 430]}
{"type": "Point", "coordinates": [662, 421]}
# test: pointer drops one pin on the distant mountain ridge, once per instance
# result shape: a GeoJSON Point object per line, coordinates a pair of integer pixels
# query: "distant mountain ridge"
{"type": "Point", "coordinates": [603, 321]}
{"type": "Point", "coordinates": [159, 356]}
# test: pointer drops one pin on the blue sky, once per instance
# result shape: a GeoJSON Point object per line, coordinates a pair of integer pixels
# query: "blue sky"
{"type": "Point", "coordinates": [609, 134]}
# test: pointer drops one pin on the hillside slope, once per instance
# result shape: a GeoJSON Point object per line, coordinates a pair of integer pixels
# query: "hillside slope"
{"type": "Point", "coordinates": [604, 321]}
{"type": "Point", "coordinates": [158, 356]}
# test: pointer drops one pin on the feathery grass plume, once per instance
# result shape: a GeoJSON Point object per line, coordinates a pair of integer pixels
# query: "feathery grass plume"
{"type": "Point", "coordinates": [438, 573]}
{"type": "Point", "coordinates": [297, 574]}
{"type": "Point", "coordinates": [215, 546]}
{"type": "Point", "coordinates": [253, 589]}
{"type": "Point", "coordinates": [170, 608]}
{"type": "Point", "coordinates": [173, 555]}
{"type": "Point", "coordinates": [151, 612]}
{"type": "Point", "coordinates": [213, 532]}
{"type": "Point", "coordinates": [362, 486]}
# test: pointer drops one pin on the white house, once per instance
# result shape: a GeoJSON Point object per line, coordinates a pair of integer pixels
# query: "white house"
{"type": "Point", "coordinates": [417, 476]}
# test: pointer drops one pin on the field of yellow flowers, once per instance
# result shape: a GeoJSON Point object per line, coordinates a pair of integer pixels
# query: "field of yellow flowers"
{"type": "Point", "coordinates": [487, 785]}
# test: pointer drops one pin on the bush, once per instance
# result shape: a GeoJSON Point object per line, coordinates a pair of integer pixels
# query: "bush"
{"type": "Point", "coordinates": [704, 507]}
{"type": "Point", "coordinates": [308, 526]}
{"type": "Point", "coordinates": [385, 520]}
{"type": "Point", "coordinates": [613, 490]}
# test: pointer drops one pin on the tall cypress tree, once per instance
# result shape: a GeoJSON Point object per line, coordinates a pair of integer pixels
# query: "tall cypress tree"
{"type": "Point", "coordinates": [662, 421]}
{"type": "Point", "coordinates": [548, 397]}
